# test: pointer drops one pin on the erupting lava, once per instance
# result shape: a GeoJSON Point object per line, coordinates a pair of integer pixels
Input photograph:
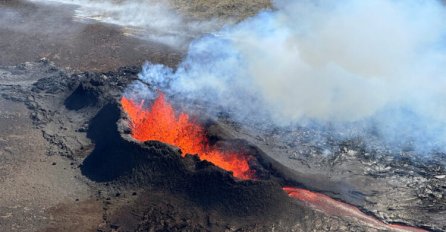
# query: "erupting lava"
{"type": "Point", "coordinates": [161, 123]}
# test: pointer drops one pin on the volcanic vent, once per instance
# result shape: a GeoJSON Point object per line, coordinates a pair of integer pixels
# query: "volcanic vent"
{"type": "Point", "coordinates": [180, 167]}
{"type": "Point", "coordinates": [160, 123]}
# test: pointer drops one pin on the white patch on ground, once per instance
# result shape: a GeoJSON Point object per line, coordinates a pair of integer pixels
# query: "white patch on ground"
{"type": "Point", "coordinates": [147, 19]}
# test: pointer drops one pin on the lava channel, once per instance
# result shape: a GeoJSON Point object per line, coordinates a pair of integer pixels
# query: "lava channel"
{"type": "Point", "coordinates": [330, 206]}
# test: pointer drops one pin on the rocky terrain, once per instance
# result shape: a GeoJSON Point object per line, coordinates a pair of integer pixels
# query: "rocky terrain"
{"type": "Point", "coordinates": [68, 162]}
{"type": "Point", "coordinates": [396, 187]}
{"type": "Point", "coordinates": [86, 173]}
{"type": "Point", "coordinates": [90, 175]}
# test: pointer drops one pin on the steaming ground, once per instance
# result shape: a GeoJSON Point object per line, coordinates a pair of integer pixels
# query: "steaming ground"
{"type": "Point", "coordinates": [30, 31]}
{"type": "Point", "coordinates": [152, 20]}
{"type": "Point", "coordinates": [81, 36]}
{"type": "Point", "coordinates": [174, 23]}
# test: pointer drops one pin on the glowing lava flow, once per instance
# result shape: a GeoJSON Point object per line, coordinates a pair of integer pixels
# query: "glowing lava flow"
{"type": "Point", "coordinates": [331, 206]}
{"type": "Point", "coordinates": [161, 123]}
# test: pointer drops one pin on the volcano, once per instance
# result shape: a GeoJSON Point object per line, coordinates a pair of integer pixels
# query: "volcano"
{"type": "Point", "coordinates": [193, 140]}
{"type": "Point", "coordinates": [203, 173]}
{"type": "Point", "coordinates": [159, 122]}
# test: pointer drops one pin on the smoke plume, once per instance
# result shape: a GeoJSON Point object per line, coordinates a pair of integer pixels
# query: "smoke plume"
{"type": "Point", "coordinates": [367, 67]}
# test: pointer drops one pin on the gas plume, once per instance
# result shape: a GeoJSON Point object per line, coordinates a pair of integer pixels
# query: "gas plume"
{"type": "Point", "coordinates": [362, 67]}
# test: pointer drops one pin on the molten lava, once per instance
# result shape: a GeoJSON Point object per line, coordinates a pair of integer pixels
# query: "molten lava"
{"type": "Point", "coordinates": [331, 206]}
{"type": "Point", "coordinates": [161, 123]}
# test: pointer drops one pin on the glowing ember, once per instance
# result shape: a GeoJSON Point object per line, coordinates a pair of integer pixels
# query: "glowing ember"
{"type": "Point", "coordinates": [160, 123]}
{"type": "Point", "coordinates": [331, 206]}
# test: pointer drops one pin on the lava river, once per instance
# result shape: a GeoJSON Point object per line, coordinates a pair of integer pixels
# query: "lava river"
{"type": "Point", "coordinates": [161, 123]}
{"type": "Point", "coordinates": [333, 207]}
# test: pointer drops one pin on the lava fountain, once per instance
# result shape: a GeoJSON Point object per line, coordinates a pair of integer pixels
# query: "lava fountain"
{"type": "Point", "coordinates": [160, 122]}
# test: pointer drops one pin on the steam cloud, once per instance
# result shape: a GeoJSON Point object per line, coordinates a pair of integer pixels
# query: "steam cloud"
{"type": "Point", "coordinates": [366, 67]}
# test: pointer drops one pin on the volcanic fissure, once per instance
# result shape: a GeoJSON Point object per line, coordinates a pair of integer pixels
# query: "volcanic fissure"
{"type": "Point", "coordinates": [160, 122]}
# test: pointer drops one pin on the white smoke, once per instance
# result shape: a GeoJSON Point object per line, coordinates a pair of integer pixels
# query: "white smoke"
{"type": "Point", "coordinates": [147, 19]}
{"type": "Point", "coordinates": [372, 65]}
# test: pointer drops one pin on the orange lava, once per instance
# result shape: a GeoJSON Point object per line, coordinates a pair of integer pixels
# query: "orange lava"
{"type": "Point", "coordinates": [161, 123]}
{"type": "Point", "coordinates": [331, 206]}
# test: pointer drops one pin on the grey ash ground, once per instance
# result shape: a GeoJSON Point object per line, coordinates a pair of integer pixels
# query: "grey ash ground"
{"type": "Point", "coordinates": [67, 162]}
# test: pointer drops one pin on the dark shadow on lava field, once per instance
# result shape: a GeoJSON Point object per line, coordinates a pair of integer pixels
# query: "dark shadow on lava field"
{"type": "Point", "coordinates": [83, 96]}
